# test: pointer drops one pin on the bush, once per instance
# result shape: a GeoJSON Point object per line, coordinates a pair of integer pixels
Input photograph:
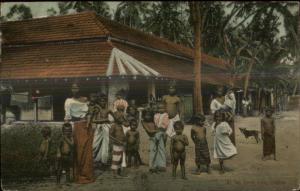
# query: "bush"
{"type": "Point", "coordinates": [20, 149]}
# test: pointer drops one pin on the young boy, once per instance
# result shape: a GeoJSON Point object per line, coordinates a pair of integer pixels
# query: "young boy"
{"type": "Point", "coordinates": [223, 147]}
{"type": "Point", "coordinates": [118, 138]}
{"type": "Point", "coordinates": [177, 149]}
{"type": "Point", "coordinates": [120, 101]}
{"type": "Point", "coordinates": [133, 142]}
{"type": "Point", "coordinates": [268, 135]}
{"type": "Point", "coordinates": [47, 154]}
{"type": "Point", "coordinates": [65, 153]}
{"type": "Point", "coordinates": [198, 135]}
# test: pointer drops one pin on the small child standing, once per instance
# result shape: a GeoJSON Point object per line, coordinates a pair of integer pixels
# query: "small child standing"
{"type": "Point", "coordinates": [268, 135]}
{"type": "Point", "coordinates": [65, 153]}
{"type": "Point", "coordinates": [198, 135]}
{"type": "Point", "coordinates": [118, 138]}
{"type": "Point", "coordinates": [133, 143]}
{"type": "Point", "coordinates": [47, 151]}
{"type": "Point", "coordinates": [223, 147]}
{"type": "Point", "coordinates": [177, 149]}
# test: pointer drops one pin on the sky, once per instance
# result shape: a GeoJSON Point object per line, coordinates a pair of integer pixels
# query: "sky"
{"type": "Point", "coordinates": [39, 9]}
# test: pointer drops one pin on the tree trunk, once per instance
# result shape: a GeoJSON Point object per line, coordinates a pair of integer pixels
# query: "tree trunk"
{"type": "Point", "coordinates": [195, 12]}
{"type": "Point", "coordinates": [248, 78]}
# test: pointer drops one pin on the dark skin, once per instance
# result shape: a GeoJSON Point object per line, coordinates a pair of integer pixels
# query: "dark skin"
{"type": "Point", "coordinates": [199, 132]}
{"type": "Point", "coordinates": [148, 125]}
{"type": "Point", "coordinates": [268, 127]}
{"type": "Point", "coordinates": [173, 103]}
{"type": "Point", "coordinates": [133, 141]}
{"type": "Point", "coordinates": [116, 131]}
{"type": "Point", "coordinates": [177, 148]}
{"type": "Point", "coordinates": [102, 115]}
{"type": "Point", "coordinates": [65, 154]}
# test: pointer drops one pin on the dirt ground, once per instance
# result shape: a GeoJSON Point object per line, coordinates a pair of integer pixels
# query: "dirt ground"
{"type": "Point", "coordinates": [245, 172]}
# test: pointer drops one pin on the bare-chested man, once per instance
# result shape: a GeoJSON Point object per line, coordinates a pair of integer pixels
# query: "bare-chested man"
{"type": "Point", "coordinates": [268, 135]}
{"type": "Point", "coordinates": [173, 105]}
{"type": "Point", "coordinates": [102, 121]}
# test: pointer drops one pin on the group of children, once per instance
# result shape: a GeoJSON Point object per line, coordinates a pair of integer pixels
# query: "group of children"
{"type": "Point", "coordinates": [125, 139]}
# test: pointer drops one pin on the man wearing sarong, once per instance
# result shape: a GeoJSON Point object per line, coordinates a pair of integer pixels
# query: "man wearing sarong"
{"type": "Point", "coordinates": [268, 135]}
{"type": "Point", "coordinates": [76, 109]}
{"type": "Point", "coordinates": [173, 107]}
{"type": "Point", "coordinates": [102, 123]}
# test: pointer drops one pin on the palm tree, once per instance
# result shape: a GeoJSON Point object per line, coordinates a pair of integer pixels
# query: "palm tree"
{"type": "Point", "coordinates": [197, 22]}
{"type": "Point", "coordinates": [131, 13]}
{"type": "Point", "coordinates": [165, 20]}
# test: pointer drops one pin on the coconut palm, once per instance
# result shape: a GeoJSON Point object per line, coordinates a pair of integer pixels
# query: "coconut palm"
{"type": "Point", "coordinates": [131, 13]}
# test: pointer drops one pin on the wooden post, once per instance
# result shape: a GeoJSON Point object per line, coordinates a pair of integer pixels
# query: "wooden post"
{"type": "Point", "coordinates": [151, 90]}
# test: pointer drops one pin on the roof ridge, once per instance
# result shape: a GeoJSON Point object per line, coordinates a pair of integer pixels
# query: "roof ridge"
{"type": "Point", "coordinates": [50, 17]}
{"type": "Point", "coordinates": [145, 33]}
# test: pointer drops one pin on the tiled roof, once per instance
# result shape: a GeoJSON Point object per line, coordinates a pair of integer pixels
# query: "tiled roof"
{"type": "Point", "coordinates": [89, 25]}
{"type": "Point", "coordinates": [51, 61]}
{"type": "Point", "coordinates": [75, 52]}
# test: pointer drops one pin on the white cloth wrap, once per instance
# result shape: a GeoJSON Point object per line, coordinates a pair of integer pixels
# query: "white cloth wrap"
{"type": "Point", "coordinates": [170, 130]}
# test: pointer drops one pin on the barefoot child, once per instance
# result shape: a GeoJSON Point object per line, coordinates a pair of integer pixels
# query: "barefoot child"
{"type": "Point", "coordinates": [198, 135]}
{"type": "Point", "coordinates": [132, 143]}
{"type": "Point", "coordinates": [47, 151]}
{"type": "Point", "coordinates": [118, 138]}
{"type": "Point", "coordinates": [223, 147]}
{"type": "Point", "coordinates": [268, 135]}
{"type": "Point", "coordinates": [65, 153]}
{"type": "Point", "coordinates": [177, 149]}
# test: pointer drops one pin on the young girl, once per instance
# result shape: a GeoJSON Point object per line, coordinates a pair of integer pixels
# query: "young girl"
{"type": "Point", "coordinates": [223, 147]}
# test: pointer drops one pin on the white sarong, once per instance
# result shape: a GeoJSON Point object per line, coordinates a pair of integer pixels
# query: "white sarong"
{"type": "Point", "coordinates": [101, 143]}
{"type": "Point", "coordinates": [170, 130]}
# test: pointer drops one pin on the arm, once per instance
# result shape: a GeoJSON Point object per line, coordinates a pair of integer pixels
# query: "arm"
{"type": "Point", "coordinates": [186, 141]}
{"type": "Point", "coordinates": [137, 140]}
{"type": "Point", "coordinates": [67, 110]}
{"type": "Point", "coordinates": [262, 129]}
{"type": "Point", "coordinates": [193, 135]}
{"type": "Point", "coordinates": [171, 150]}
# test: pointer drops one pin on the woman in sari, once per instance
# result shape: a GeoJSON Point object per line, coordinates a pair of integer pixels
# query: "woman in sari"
{"type": "Point", "coordinates": [76, 109]}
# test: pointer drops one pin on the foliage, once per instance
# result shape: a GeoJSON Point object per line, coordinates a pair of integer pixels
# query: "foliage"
{"type": "Point", "coordinates": [100, 7]}
{"type": "Point", "coordinates": [167, 20]}
{"type": "Point", "coordinates": [20, 149]}
{"type": "Point", "coordinates": [21, 12]}
{"type": "Point", "coordinates": [131, 13]}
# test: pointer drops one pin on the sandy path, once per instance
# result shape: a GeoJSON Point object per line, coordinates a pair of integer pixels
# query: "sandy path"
{"type": "Point", "coordinates": [246, 172]}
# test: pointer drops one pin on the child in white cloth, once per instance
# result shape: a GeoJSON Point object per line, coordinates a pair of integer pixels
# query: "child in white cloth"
{"type": "Point", "coordinates": [223, 147]}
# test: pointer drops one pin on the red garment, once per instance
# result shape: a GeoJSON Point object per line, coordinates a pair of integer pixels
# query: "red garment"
{"type": "Point", "coordinates": [83, 167]}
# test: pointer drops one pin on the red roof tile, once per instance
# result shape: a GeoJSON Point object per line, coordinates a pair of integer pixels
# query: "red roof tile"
{"type": "Point", "coordinates": [89, 25]}
{"type": "Point", "coordinates": [50, 61]}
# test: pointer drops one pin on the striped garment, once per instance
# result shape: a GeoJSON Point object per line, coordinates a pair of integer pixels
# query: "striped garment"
{"type": "Point", "coordinates": [120, 102]}
{"type": "Point", "coordinates": [202, 152]}
{"type": "Point", "coordinates": [117, 157]}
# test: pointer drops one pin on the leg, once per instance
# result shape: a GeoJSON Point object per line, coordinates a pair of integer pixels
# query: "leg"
{"type": "Point", "coordinates": [58, 172]}
{"type": "Point", "coordinates": [182, 161]}
{"type": "Point", "coordinates": [221, 161]}
{"type": "Point", "coordinates": [208, 168]}
{"type": "Point", "coordinates": [175, 164]}
{"type": "Point", "coordinates": [129, 158]}
{"type": "Point", "coordinates": [175, 160]}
